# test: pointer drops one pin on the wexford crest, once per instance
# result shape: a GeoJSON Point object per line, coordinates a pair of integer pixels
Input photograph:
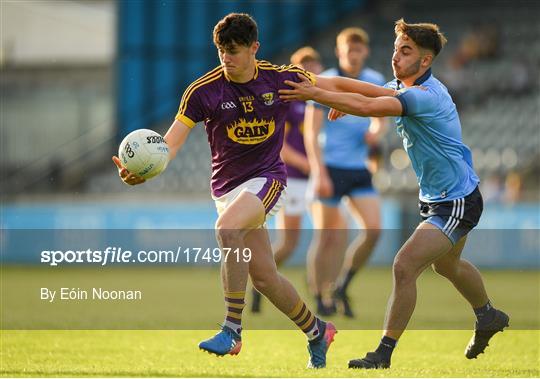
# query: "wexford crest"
{"type": "Point", "coordinates": [268, 98]}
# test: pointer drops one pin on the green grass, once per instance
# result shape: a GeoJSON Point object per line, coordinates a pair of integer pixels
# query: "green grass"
{"type": "Point", "coordinates": [265, 354]}
{"type": "Point", "coordinates": [187, 302]}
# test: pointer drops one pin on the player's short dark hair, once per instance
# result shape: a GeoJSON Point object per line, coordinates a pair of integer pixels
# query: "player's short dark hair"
{"type": "Point", "coordinates": [235, 28]}
{"type": "Point", "coordinates": [425, 35]}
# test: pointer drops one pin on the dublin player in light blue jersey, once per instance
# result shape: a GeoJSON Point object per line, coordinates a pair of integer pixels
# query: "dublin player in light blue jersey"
{"type": "Point", "coordinates": [450, 202]}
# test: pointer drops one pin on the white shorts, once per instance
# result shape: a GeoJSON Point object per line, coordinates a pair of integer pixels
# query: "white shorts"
{"type": "Point", "coordinates": [295, 203]}
{"type": "Point", "coordinates": [269, 190]}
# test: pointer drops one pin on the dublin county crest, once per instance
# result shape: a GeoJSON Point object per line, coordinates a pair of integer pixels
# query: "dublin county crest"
{"type": "Point", "coordinates": [268, 98]}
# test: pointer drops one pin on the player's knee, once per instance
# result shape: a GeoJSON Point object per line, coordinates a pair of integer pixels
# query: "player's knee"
{"type": "Point", "coordinates": [227, 234]}
{"type": "Point", "coordinates": [372, 235]}
{"type": "Point", "coordinates": [403, 271]}
{"type": "Point", "coordinates": [331, 238]}
{"type": "Point", "coordinates": [283, 253]}
{"type": "Point", "coordinates": [289, 241]}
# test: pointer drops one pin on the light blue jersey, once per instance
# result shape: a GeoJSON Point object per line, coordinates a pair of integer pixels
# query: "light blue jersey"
{"type": "Point", "coordinates": [431, 133]}
{"type": "Point", "coordinates": [342, 141]}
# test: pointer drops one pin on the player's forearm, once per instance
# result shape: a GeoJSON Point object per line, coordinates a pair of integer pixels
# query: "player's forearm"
{"type": "Point", "coordinates": [350, 103]}
{"type": "Point", "coordinates": [176, 137]}
{"type": "Point", "coordinates": [313, 120]}
{"type": "Point", "coordinates": [314, 154]}
{"type": "Point", "coordinates": [341, 84]}
{"type": "Point", "coordinates": [294, 158]}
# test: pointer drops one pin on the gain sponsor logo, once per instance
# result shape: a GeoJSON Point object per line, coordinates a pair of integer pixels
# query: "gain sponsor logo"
{"type": "Point", "coordinates": [251, 132]}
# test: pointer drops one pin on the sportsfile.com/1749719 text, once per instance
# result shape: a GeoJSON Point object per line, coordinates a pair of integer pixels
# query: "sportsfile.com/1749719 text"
{"type": "Point", "coordinates": [116, 255]}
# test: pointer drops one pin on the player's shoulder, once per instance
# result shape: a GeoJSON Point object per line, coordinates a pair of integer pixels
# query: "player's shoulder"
{"type": "Point", "coordinates": [283, 72]}
{"type": "Point", "coordinates": [430, 88]}
{"type": "Point", "coordinates": [266, 66]}
{"type": "Point", "coordinates": [436, 84]}
{"type": "Point", "coordinates": [212, 76]}
{"type": "Point", "coordinates": [203, 86]}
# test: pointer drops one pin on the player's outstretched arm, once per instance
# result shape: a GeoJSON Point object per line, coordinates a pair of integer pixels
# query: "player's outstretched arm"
{"type": "Point", "coordinates": [341, 84]}
{"type": "Point", "coordinates": [351, 103]}
{"type": "Point", "coordinates": [176, 137]}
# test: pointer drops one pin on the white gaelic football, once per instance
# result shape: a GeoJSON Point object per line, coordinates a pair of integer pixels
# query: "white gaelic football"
{"type": "Point", "coordinates": [144, 152]}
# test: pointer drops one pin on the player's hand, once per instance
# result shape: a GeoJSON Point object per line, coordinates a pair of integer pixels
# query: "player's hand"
{"type": "Point", "coordinates": [323, 185]}
{"type": "Point", "coordinates": [334, 114]}
{"type": "Point", "coordinates": [302, 90]}
{"type": "Point", "coordinates": [126, 176]}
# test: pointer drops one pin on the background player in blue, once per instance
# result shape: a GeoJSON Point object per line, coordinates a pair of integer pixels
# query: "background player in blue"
{"type": "Point", "coordinates": [450, 202]}
{"type": "Point", "coordinates": [293, 153]}
{"type": "Point", "coordinates": [340, 172]}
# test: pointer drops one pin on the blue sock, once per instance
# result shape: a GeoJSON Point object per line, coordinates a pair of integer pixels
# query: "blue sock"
{"type": "Point", "coordinates": [485, 314]}
{"type": "Point", "coordinates": [386, 348]}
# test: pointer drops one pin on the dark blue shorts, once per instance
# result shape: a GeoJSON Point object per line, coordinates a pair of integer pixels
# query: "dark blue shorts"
{"type": "Point", "coordinates": [348, 182]}
{"type": "Point", "coordinates": [455, 218]}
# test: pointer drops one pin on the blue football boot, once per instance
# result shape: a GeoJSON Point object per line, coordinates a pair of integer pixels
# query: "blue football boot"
{"type": "Point", "coordinates": [225, 342]}
{"type": "Point", "coordinates": [319, 347]}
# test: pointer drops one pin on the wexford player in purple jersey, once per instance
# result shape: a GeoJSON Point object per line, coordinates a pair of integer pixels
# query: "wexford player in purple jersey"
{"type": "Point", "coordinates": [245, 121]}
{"type": "Point", "coordinates": [293, 153]}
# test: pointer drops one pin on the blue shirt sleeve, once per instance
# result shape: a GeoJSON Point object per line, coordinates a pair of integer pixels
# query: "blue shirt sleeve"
{"type": "Point", "coordinates": [417, 101]}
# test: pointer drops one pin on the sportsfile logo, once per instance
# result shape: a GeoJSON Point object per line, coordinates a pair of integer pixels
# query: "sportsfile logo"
{"type": "Point", "coordinates": [251, 132]}
{"type": "Point", "coordinates": [118, 255]}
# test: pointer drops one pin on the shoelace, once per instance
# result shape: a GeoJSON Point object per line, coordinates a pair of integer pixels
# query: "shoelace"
{"type": "Point", "coordinates": [228, 331]}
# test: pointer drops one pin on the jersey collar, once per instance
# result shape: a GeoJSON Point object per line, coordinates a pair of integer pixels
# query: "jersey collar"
{"type": "Point", "coordinates": [254, 76]}
{"type": "Point", "coordinates": [421, 79]}
{"type": "Point", "coordinates": [425, 76]}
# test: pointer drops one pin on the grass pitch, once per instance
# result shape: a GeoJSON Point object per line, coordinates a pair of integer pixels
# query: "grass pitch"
{"type": "Point", "coordinates": [280, 352]}
{"type": "Point", "coordinates": [265, 354]}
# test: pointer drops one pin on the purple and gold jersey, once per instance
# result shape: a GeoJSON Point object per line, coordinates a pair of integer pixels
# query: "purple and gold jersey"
{"type": "Point", "coordinates": [294, 126]}
{"type": "Point", "coordinates": [245, 122]}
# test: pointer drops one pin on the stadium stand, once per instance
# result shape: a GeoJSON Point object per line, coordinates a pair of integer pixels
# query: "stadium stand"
{"type": "Point", "coordinates": [490, 66]}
